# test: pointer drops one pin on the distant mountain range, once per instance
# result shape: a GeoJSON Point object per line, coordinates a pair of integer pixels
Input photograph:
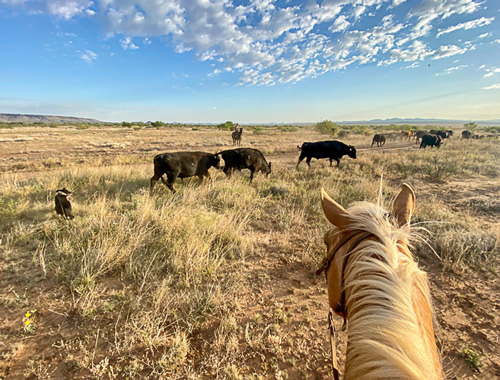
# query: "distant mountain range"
{"type": "Point", "coordinates": [20, 118]}
{"type": "Point", "coordinates": [420, 121]}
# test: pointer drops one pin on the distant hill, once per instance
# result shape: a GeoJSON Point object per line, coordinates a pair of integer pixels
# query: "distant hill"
{"type": "Point", "coordinates": [418, 121]}
{"type": "Point", "coordinates": [20, 118]}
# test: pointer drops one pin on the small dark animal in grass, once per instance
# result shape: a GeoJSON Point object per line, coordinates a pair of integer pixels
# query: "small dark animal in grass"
{"type": "Point", "coordinates": [245, 158]}
{"type": "Point", "coordinates": [63, 206]}
{"type": "Point", "coordinates": [333, 150]}
{"type": "Point", "coordinates": [378, 139]}
{"type": "Point", "coordinates": [467, 134]}
{"type": "Point", "coordinates": [236, 135]}
{"type": "Point", "coordinates": [431, 140]}
{"type": "Point", "coordinates": [183, 165]}
{"type": "Point", "coordinates": [419, 135]}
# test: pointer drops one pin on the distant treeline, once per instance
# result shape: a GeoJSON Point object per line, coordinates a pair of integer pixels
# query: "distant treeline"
{"type": "Point", "coordinates": [324, 127]}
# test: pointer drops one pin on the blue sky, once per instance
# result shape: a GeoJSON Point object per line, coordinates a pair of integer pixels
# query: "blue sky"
{"type": "Point", "coordinates": [251, 61]}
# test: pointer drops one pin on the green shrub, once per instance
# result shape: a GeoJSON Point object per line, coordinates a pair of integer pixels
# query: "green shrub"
{"type": "Point", "coordinates": [327, 127]}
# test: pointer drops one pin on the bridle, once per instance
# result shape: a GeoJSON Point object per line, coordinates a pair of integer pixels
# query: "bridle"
{"type": "Point", "coordinates": [341, 306]}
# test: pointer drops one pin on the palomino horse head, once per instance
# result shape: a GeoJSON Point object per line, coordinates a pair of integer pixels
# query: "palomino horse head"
{"type": "Point", "coordinates": [376, 285]}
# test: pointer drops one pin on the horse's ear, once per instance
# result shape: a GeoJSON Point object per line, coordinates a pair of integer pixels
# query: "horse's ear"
{"type": "Point", "coordinates": [334, 212]}
{"type": "Point", "coordinates": [404, 205]}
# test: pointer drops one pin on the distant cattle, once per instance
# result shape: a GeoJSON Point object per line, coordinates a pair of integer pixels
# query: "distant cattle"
{"type": "Point", "coordinates": [378, 139]}
{"type": "Point", "coordinates": [392, 136]}
{"type": "Point", "coordinates": [333, 150]}
{"type": "Point", "coordinates": [431, 140]}
{"type": "Point", "coordinates": [182, 165]}
{"type": "Point", "coordinates": [467, 134]}
{"type": "Point", "coordinates": [245, 158]}
{"type": "Point", "coordinates": [449, 132]}
{"type": "Point", "coordinates": [405, 135]}
{"type": "Point", "coordinates": [419, 135]}
{"type": "Point", "coordinates": [62, 205]}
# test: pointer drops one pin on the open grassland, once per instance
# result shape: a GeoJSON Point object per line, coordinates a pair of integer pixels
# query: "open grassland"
{"type": "Point", "coordinates": [217, 281]}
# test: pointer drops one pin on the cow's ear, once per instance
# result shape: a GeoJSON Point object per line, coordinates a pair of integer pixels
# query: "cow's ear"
{"type": "Point", "coordinates": [334, 212]}
{"type": "Point", "coordinates": [404, 205]}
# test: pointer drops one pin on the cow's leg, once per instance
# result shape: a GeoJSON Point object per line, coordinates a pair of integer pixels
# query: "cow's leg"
{"type": "Point", "coordinates": [251, 174]}
{"type": "Point", "coordinates": [338, 162]}
{"type": "Point", "coordinates": [228, 171]}
{"type": "Point", "coordinates": [153, 181]}
{"type": "Point", "coordinates": [331, 160]}
{"type": "Point", "coordinates": [300, 160]}
{"type": "Point", "coordinates": [170, 181]}
{"type": "Point", "coordinates": [308, 161]}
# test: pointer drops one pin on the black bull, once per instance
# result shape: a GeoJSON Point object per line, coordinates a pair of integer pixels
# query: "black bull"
{"type": "Point", "coordinates": [333, 150]}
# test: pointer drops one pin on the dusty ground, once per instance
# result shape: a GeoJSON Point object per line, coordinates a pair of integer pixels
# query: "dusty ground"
{"type": "Point", "coordinates": [467, 302]}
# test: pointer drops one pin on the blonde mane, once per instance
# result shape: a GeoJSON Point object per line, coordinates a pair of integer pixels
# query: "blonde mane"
{"type": "Point", "coordinates": [388, 303]}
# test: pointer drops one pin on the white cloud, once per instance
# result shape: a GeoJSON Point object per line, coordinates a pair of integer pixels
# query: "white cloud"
{"type": "Point", "coordinates": [490, 72]}
{"type": "Point", "coordinates": [414, 65]}
{"type": "Point", "coordinates": [451, 70]}
{"type": "Point", "coordinates": [267, 42]}
{"type": "Point", "coordinates": [448, 51]}
{"type": "Point", "coordinates": [428, 11]}
{"type": "Point", "coordinates": [128, 44]}
{"type": "Point", "coordinates": [483, 21]}
{"type": "Point", "coordinates": [88, 56]}
{"type": "Point", "coordinates": [68, 9]}
{"type": "Point", "coordinates": [484, 35]}
{"type": "Point", "coordinates": [492, 87]}
{"type": "Point", "coordinates": [340, 24]}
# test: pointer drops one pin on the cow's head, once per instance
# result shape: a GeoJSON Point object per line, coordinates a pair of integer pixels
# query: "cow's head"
{"type": "Point", "coordinates": [351, 151]}
{"type": "Point", "coordinates": [267, 169]}
{"type": "Point", "coordinates": [216, 161]}
{"type": "Point", "coordinates": [63, 191]}
{"type": "Point", "coordinates": [299, 148]}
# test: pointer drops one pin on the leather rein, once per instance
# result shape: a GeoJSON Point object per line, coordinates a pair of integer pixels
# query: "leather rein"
{"type": "Point", "coordinates": [341, 306]}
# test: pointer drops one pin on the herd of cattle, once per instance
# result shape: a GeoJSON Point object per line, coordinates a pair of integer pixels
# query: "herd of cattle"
{"type": "Point", "coordinates": [430, 138]}
{"type": "Point", "coordinates": [188, 164]}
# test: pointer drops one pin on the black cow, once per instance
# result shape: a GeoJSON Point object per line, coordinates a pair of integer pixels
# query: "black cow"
{"type": "Point", "coordinates": [245, 158]}
{"type": "Point", "coordinates": [183, 165]}
{"type": "Point", "coordinates": [63, 206]}
{"type": "Point", "coordinates": [467, 134]}
{"type": "Point", "coordinates": [431, 140]}
{"type": "Point", "coordinates": [378, 139]}
{"type": "Point", "coordinates": [419, 135]}
{"type": "Point", "coordinates": [333, 150]}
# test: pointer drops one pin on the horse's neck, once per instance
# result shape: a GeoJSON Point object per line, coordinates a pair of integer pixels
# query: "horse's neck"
{"type": "Point", "coordinates": [390, 331]}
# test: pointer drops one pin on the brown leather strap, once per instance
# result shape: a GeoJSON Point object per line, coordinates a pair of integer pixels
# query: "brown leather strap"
{"type": "Point", "coordinates": [333, 338]}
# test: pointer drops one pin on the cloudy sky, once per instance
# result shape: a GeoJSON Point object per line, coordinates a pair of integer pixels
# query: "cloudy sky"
{"type": "Point", "coordinates": [251, 61]}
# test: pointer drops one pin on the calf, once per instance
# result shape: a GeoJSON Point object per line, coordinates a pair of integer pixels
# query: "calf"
{"type": "Point", "coordinates": [63, 206]}
{"type": "Point", "coordinates": [182, 165]}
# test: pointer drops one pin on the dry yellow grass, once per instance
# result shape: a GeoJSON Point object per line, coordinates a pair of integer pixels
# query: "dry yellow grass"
{"type": "Point", "coordinates": [217, 280]}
